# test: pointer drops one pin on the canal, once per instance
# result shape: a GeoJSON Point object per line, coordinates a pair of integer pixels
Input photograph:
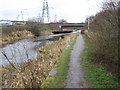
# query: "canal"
{"type": "Point", "coordinates": [26, 49]}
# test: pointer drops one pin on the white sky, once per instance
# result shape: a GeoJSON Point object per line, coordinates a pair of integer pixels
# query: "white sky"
{"type": "Point", "coordinates": [70, 10]}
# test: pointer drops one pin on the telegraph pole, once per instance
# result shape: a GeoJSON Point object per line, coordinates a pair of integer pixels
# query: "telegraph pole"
{"type": "Point", "coordinates": [88, 24]}
{"type": "Point", "coordinates": [88, 18]}
{"type": "Point", "coordinates": [45, 11]}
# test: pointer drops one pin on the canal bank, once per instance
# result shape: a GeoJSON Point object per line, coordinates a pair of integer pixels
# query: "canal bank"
{"type": "Point", "coordinates": [27, 48]}
{"type": "Point", "coordinates": [15, 36]}
{"type": "Point", "coordinates": [96, 75]}
{"type": "Point", "coordinates": [41, 66]}
{"type": "Point", "coordinates": [57, 77]}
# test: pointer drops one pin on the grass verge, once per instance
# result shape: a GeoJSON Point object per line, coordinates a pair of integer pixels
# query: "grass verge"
{"type": "Point", "coordinates": [96, 75]}
{"type": "Point", "coordinates": [58, 80]}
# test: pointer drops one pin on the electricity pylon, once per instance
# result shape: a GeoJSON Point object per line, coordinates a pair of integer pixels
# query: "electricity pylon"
{"type": "Point", "coordinates": [22, 16]}
{"type": "Point", "coordinates": [45, 11]}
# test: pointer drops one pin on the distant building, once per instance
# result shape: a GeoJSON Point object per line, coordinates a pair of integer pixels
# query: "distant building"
{"type": "Point", "coordinates": [5, 22]}
{"type": "Point", "coordinates": [18, 22]}
{"type": "Point", "coordinates": [10, 22]}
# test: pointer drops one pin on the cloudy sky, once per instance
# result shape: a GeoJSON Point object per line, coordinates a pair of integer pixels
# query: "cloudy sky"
{"type": "Point", "coordinates": [70, 10]}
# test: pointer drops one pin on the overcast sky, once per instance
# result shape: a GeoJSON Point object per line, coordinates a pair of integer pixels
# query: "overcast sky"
{"type": "Point", "coordinates": [70, 10]}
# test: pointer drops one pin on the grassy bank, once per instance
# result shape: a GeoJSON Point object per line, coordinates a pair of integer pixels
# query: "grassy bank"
{"type": "Point", "coordinates": [58, 80]}
{"type": "Point", "coordinates": [96, 75]}
{"type": "Point", "coordinates": [33, 73]}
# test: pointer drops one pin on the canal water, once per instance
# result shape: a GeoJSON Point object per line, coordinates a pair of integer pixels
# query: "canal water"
{"type": "Point", "coordinates": [23, 50]}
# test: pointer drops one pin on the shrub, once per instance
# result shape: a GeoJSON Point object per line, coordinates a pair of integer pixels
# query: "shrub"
{"type": "Point", "coordinates": [37, 28]}
{"type": "Point", "coordinates": [104, 38]}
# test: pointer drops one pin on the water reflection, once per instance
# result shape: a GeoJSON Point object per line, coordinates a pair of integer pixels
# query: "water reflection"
{"type": "Point", "coordinates": [22, 50]}
{"type": "Point", "coordinates": [25, 49]}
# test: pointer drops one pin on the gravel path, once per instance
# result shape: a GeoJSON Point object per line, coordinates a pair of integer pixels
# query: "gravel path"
{"type": "Point", "coordinates": [75, 78]}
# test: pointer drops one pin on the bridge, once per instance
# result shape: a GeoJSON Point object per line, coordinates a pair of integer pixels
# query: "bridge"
{"type": "Point", "coordinates": [71, 26]}
{"type": "Point", "coordinates": [62, 26]}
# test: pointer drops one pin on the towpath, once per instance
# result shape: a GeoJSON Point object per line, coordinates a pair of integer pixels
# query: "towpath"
{"type": "Point", "coordinates": [75, 78]}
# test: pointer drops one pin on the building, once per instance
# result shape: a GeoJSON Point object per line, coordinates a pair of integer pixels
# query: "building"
{"type": "Point", "coordinates": [18, 22]}
{"type": "Point", "coordinates": [5, 22]}
{"type": "Point", "coordinates": [10, 22]}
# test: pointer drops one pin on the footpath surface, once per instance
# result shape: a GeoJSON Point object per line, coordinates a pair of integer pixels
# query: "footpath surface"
{"type": "Point", "coordinates": [75, 78]}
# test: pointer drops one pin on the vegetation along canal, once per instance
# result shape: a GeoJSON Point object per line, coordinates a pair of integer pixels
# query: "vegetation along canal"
{"type": "Point", "coordinates": [25, 49]}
